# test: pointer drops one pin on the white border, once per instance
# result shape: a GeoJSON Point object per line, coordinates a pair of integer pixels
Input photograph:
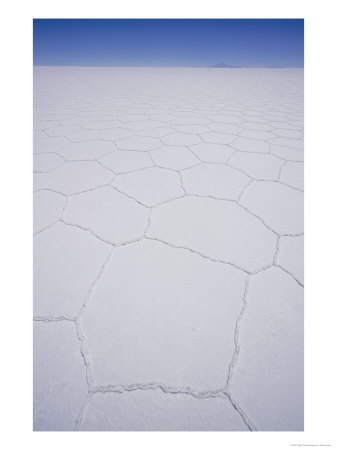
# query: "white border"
{"type": "Point", "coordinates": [320, 216]}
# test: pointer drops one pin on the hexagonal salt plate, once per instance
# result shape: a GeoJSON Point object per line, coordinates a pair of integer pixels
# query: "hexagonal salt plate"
{"type": "Point", "coordinates": [250, 145]}
{"type": "Point", "coordinates": [224, 128]}
{"type": "Point", "coordinates": [121, 161]}
{"type": "Point", "coordinates": [51, 144]}
{"type": "Point", "coordinates": [214, 180]}
{"type": "Point", "coordinates": [140, 143]}
{"type": "Point", "coordinates": [148, 290]}
{"type": "Point", "coordinates": [218, 229]}
{"type": "Point", "coordinates": [109, 214]}
{"type": "Point", "coordinates": [79, 176]}
{"type": "Point", "coordinates": [62, 130]}
{"type": "Point", "coordinates": [89, 150]}
{"type": "Point", "coordinates": [293, 175]}
{"type": "Point", "coordinates": [150, 186]}
{"type": "Point", "coordinates": [208, 152]}
{"type": "Point", "coordinates": [181, 139]}
{"type": "Point", "coordinates": [174, 157]}
{"type": "Point", "coordinates": [192, 129]}
{"type": "Point", "coordinates": [45, 162]}
{"type": "Point", "coordinates": [140, 125]}
{"type": "Point", "coordinates": [48, 209]}
{"type": "Point", "coordinates": [66, 261]}
{"type": "Point", "coordinates": [225, 118]}
{"type": "Point", "coordinates": [102, 124]}
{"type": "Point", "coordinates": [292, 143]}
{"type": "Point", "coordinates": [258, 166]}
{"type": "Point", "coordinates": [154, 410]}
{"type": "Point", "coordinates": [279, 206]}
{"type": "Point", "coordinates": [268, 379]}
{"type": "Point", "coordinates": [291, 256]}
{"type": "Point", "coordinates": [218, 138]}
{"type": "Point", "coordinates": [60, 385]}
{"type": "Point", "coordinates": [40, 180]}
{"type": "Point", "coordinates": [287, 153]}
{"type": "Point", "coordinates": [259, 135]}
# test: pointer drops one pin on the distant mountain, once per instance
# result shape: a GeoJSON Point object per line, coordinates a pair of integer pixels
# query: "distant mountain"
{"type": "Point", "coordinates": [222, 66]}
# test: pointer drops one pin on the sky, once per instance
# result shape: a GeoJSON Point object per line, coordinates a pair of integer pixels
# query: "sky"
{"type": "Point", "coordinates": [169, 42]}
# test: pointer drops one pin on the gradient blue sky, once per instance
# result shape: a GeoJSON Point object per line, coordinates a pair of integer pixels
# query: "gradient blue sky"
{"type": "Point", "coordinates": [169, 42]}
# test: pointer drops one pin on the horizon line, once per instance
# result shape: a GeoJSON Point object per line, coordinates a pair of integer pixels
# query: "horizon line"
{"type": "Point", "coordinates": [171, 67]}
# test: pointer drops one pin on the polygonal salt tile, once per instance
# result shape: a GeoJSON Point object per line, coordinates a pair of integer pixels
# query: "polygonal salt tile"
{"type": "Point", "coordinates": [139, 125]}
{"type": "Point", "coordinates": [258, 166]}
{"type": "Point", "coordinates": [255, 113]}
{"type": "Point", "coordinates": [57, 113]}
{"type": "Point", "coordinates": [40, 180]}
{"type": "Point", "coordinates": [174, 157]}
{"type": "Point", "coordinates": [156, 132]}
{"type": "Point", "coordinates": [209, 152]}
{"type": "Point", "coordinates": [38, 135]}
{"type": "Point", "coordinates": [292, 143]}
{"type": "Point", "coordinates": [79, 176]}
{"type": "Point", "coordinates": [293, 175]}
{"type": "Point", "coordinates": [48, 209]}
{"type": "Point", "coordinates": [60, 386]}
{"type": "Point", "coordinates": [73, 121]}
{"type": "Point", "coordinates": [140, 143]}
{"type": "Point", "coordinates": [62, 130]}
{"type": "Point", "coordinates": [149, 289]}
{"type": "Point", "coordinates": [150, 186]}
{"type": "Point", "coordinates": [159, 412]}
{"type": "Point", "coordinates": [225, 128]}
{"type": "Point", "coordinates": [115, 133]}
{"type": "Point", "coordinates": [154, 112]}
{"type": "Point", "coordinates": [45, 162]}
{"type": "Point", "coordinates": [279, 206]}
{"type": "Point", "coordinates": [250, 145]}
{"type": "Point", "coordinates": [224, 118]}
{"type": "Point", "coordinates": [121, 161]}
{"type": "Point", "coordinates": [132, 117]}
{"type": "Point", "coordinates": [292, 134]}
{"type": "Point", "coordinates": [218, 229]}
{"type": "Point", "coordinates": [284, 125]}
{"type": "Point", "coordinates": [192, 129]}
{"type": "Point", "coordinates": [66, 261]}
{"type": "Point", "coordinates": [101, 118]}
{"type": "Point", "coordinates": [259, 135]}
{"type": "Point", "coordinates": [44, 124]}
{"type": "Point", "coordinates": [218, 138]}
{"type": "Point", "coordinates": [246, 118]}
{"type": "Point", "coordinates": [163, 117]}
{"type": "Point", "coordinates": [84, 135]}
{"type": "Point", "coordinates": [181, 139]}
{"type": "Point", "coordinates": [142, 111]}
{"type": "Point", "coordinates": [109, 214]}
{"type": "Point", "coordinates": [216, 180]}
{"type": "Point", "coordinates": [291, 256]}
{"type": "Point", "coordinates": [268, 117]}
{"type": "Point", "coordinates": [287, 153]}
{"type": "Point", "coordinates": [89, 150]}
{"type": "Point", "coordinates": [298, 123]}
{"type": "Point", "coordinates": [268, 379]}
{"type": "Point", "coordinates": [51, 144]}
{"type": "Point", "coordinates": [190, 121]}
{"type": "Point", "coordinates": [257, 126]}
{"type": "Point", "coordinates": [297, 117]}
{"type": "Point", "coordinates": [102, 125]}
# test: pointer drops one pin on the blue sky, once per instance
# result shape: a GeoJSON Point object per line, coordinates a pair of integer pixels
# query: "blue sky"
{"type": "Point", "coordinates": [166, 42]}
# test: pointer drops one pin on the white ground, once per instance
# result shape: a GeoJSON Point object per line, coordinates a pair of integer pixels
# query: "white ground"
{"type": "Point", "coordinates": [168, 249]}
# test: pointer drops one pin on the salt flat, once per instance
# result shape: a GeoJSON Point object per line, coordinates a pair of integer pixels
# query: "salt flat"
{"type": "Point", "coordinates": [168, 249]}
